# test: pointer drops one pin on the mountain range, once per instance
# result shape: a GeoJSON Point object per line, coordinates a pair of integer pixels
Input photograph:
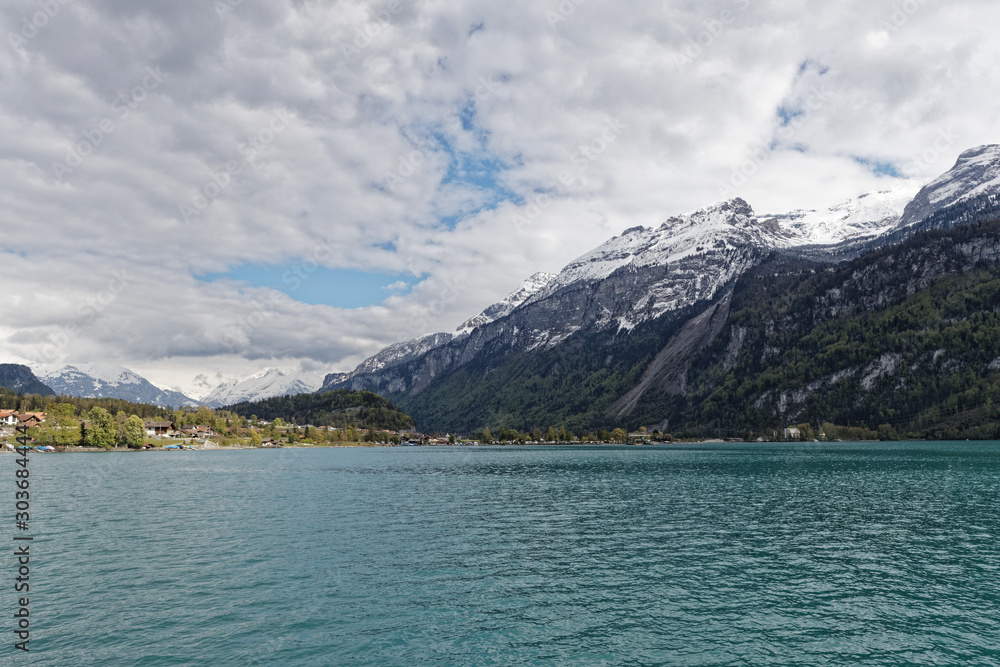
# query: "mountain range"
{"type": "Point", "coordinates": [93, 380]}
{"type": "Point", "coordinates": [267, 384]}
{"type": "Point", "coordinates": [615, 337]}
{"type": "Point", "coordinates": [629, 334]}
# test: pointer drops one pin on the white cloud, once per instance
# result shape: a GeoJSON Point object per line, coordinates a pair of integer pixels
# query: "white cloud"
{"type": "Point", "coordinates": [696, 88]}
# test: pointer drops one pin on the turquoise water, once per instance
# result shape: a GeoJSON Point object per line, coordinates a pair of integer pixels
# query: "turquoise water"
{"type": "Point", "coordinates": [874, 554]}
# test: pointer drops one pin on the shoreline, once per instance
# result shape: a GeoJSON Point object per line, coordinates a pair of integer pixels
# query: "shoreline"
{"type": "Point", "coordinates": [97, 450]}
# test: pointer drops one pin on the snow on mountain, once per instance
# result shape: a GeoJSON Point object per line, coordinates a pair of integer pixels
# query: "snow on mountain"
{"type": "Point", "coordinates": [870, 214]}
{"type": "Point", "coordinates": [266, 384]}
{"type": "Point", "coordinates": [976, 173]}
{"type": "Point", "coordinates": [646, 273]}
{"type": "Point", "coordinates": [683, 261]}
{"type": "Point", "coordinates": [394, 354]}
{"type": "Point", "coordinates": [97, 380]}
{"type": "Point", "coordinates": [399, 352]}
{"type": "Point", "coordinates": [528, 289]}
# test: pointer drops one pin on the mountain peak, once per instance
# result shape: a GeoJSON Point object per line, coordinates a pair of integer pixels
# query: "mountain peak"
{"type": "Point", "coordinates": [976, 173]}
{"type": "Point", "coordinates": [267, 383]}
{"type": "Point", "coordinates": [529, 288]}
{"type": "Point", "coordinates": [869, 214]}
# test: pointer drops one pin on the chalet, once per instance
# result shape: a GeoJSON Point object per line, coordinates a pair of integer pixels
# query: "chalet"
{"type": "Point", "coordinates": [159, 428]}
{"type": "Point", "coordinates": [8, 417]}
{"type": "Point", "coordinates": [196, 431]}
{"type": "Point", "coordinates": [30, 419]}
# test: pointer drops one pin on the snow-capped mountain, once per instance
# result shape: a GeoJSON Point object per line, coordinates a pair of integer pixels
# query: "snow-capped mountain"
{"type": "Point", "coordinates": [266, 384]}
{"type": "Point", "coordinates": [528, 289]}
{"type": "Point", "coordinates": [870, 214]}
{"type": "Point", "coordinates": [646, 274]}
{"type": "Point", "coordinates": [976, 173]}
{"type": "Point", "coordinates": [109, 381]}
{"type": "Point", "coordinates": [394, 354]}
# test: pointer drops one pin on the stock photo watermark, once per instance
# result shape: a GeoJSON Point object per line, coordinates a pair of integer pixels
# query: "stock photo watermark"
{"type": "Point", "coordinates": [946, 138]}
{"type": "Point", "coordinates": [563, 12]}
{"type": "Point", "coordinates": [900, 15]}
{"type": "Point", "coordinates": [712, 30]}
{"type": "Point", "coordinates": [31, 25]}
{"type": "Point", "coordinates": [815, 99]}
{"type": "Point", "coordinates": [122, 108]}
{"type": "Point", "coordinates": [220, 180]}
{"type": "Point", "coordinates": [566, 179]}
{"type": "Point", "coordinates": [237, 335]}
{"type": "Point", "coordinates": [366, 33]}
{"type": "Point", "coordinates": [412, 162]}
{"type": "Point", "coordinates": [89, 310]}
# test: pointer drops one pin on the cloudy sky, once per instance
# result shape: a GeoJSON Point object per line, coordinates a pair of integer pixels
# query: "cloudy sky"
{"type": "Point", "coordinates": [198, 189]}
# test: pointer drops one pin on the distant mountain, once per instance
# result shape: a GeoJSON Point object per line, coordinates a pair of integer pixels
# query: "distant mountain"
{"type": "Point", "coordinates": [21, 380]}
{"type": "Point", "coordinates": [95, 380]}
{"type": "Point", "coordinates": [266, 384]}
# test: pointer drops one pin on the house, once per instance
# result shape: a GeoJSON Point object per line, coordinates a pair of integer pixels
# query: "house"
{"type": "Point", "coordinates": [792, 433]}
{"type": "Point", "coordinates": [8, 417]}
{"type": "Point", "coordinates": [159, 428]}
{"type": "Point", "coordinates": [29, 419]}
{"type": "Point", "coordinates": [196, 431]}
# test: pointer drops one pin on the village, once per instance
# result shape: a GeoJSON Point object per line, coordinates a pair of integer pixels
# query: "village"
{"type": "Point", "coordinates": [168, 435]}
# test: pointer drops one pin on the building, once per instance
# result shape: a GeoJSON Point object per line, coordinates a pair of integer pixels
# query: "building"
{"type": "Point", "coordinates": [8, 417]}
{"type": "Point", "coordinates": [792, 433]}
{"type": "Point", "coordinates": [29, 419]}
{"type": "Point", "coordinates": [159, 428]}
{"type": "Point", "coordinates": [196, 431]}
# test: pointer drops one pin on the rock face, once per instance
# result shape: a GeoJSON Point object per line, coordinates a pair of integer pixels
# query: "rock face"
{"type": "Point", "coordinates": [688, 263]}
{"type": "Point", "coordinates": [21, 380]}
{"type": "Point", "coordinates": [110, 381]}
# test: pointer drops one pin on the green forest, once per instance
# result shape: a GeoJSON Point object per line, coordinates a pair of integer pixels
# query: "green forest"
{"type": "Point", "coordinates": [342, 408]}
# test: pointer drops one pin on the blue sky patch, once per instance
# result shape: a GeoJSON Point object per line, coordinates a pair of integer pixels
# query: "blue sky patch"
{"type": "Point", "coordinates": [479, 169]}
{"type": "Point", "coordinates": [878, 167]}
{"type": "Point", "coordinates": [786, 115]}
{"type": "Point", "coordinates": [341, 288]}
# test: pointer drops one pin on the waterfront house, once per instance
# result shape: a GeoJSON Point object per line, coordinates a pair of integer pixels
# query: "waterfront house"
{"type": "Point", "coordinates": [792, 433]}
{"type": "Point", "coordinates": [159, 428]}
{"type": "Point", "coordinates": [8, 417]}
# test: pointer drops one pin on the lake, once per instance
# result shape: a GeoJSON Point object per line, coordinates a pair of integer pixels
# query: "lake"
{"type": "Point", "coordinates": [817, 554]}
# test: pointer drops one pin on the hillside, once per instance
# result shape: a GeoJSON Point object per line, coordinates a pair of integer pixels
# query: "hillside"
{"type": "Point", "coordinates": [905, 340]}
{"type": "Point", "coordinates": [342, 409]}
{"type": "Point", "coordinates": [19, 379]}
{"type": "Point", "coordinates": [629, 334]}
